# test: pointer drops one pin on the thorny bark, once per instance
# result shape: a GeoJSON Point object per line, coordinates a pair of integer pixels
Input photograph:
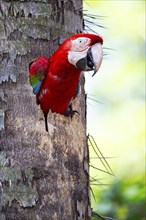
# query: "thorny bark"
{"type": "Point", "coordinates": [43, 176]}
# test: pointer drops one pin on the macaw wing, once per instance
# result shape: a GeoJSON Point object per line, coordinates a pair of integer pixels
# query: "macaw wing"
{"type": "Point", "coordinates": [37, 72]}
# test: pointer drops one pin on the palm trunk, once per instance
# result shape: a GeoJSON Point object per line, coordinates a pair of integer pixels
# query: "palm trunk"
{"type": "Point", "coordinates": [43, 176]}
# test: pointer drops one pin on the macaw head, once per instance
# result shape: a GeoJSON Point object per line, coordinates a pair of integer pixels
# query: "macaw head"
{"type": "Point", "coordinates": [85, 51]}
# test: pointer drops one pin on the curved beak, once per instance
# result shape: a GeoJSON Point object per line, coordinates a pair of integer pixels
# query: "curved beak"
{"type": "Point", "coordinates": [93, 59]}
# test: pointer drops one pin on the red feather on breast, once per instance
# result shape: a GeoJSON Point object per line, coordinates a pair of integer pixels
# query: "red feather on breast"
{"type": "Point", "coordinates": [59, 86]}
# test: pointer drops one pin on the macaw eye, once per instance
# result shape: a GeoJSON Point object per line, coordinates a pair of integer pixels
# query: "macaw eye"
{"type": "Point", "coordinates": [80, 41]}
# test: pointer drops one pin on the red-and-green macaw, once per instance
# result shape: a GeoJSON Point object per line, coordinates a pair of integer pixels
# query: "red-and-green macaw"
{"type": "Point", "coordinates": [55, 80]}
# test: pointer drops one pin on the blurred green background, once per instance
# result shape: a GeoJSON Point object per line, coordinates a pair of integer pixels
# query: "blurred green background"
{"type": "Point", "coordinates": [117, 121]}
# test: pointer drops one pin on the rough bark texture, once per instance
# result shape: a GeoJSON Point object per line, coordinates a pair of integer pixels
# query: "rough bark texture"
{"type": "Point", "coordinates": [43, 176]}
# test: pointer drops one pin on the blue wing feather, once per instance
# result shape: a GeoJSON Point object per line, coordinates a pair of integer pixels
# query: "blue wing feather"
{"type": "Point", "coordinates": [37, 87]}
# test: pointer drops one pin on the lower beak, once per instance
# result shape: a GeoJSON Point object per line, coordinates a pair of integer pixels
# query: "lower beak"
{"type": "Point", "coordinates": [93, 59]}
{"type": "Point", "coordinates": [90, 61]}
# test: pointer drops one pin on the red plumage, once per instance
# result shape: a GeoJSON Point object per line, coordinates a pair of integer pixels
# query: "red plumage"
{"type": "Point", "coordinates": [59, 86]}
{"type": "Point", "coordinates": [61, 78]}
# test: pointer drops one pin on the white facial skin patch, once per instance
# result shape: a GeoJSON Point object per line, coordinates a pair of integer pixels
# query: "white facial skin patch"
{"type": "Point", "coordinates": [79, 48]}
{"type": "Point", "coordinates": [80, 44]}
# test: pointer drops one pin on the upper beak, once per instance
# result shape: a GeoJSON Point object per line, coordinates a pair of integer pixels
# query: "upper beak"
{"type": "Point", "coordinates": [93, 59]}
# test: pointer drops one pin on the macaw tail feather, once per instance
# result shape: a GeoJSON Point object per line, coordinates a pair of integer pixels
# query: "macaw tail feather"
{"type": "Point", "coordinates": [46, 122]}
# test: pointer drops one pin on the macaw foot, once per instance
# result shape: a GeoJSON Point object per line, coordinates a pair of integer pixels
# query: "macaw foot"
{"type": "Point", "coordinates": [70, 112]}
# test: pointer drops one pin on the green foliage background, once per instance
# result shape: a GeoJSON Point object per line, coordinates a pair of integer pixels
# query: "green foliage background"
{"type": "Point", "coordinates": [118, 122]}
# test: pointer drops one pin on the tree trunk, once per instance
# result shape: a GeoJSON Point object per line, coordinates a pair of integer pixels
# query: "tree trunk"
{"type": "Point", "coordinates": [43, 176]}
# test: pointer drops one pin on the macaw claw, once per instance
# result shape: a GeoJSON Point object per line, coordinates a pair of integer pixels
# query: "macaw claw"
{"type": "Point", "coordinates": [70, 112]}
